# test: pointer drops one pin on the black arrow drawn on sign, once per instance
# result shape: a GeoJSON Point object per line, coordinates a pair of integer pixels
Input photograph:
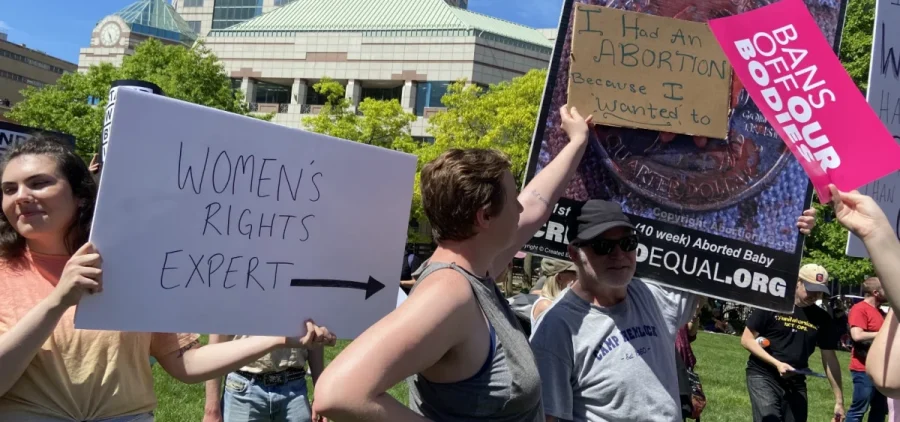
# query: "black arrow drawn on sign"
{"type": "Point", "coordinates": [371, 287]}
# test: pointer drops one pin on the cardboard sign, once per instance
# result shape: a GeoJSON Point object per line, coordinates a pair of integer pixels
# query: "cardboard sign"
{"type": "Point", "coordinates": [799, 84]}
{"type": "Point", "coordinates": [212, 222]}
{"type": "Point", "coordinates": [884, 98]}
{"type": "Point", "coordinates": [715, 216]}
{"type": "Point", "coordinates": [637, 70]}
{"type": "Point", "coordinates": [12, 134]}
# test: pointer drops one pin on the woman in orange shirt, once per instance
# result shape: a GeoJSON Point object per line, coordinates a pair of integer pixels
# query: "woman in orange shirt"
{"type": "Point", "coordinates": [50, 370]}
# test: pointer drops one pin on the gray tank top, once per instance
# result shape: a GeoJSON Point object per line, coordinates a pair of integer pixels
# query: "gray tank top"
{"type": "Point", "coordinates": [507, 388]}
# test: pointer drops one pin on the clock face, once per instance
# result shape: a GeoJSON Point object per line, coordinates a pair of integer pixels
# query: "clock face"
{"type": "Point", "coordinates": [110, 34]}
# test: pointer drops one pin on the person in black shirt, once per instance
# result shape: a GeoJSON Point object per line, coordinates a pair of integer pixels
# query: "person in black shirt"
{"type": "Point", "coordinates": [775, 380]}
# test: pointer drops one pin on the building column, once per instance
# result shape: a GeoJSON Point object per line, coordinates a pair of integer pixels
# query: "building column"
{"type": "Point", "coordinates": [298, 92]}
{"type": "Point", "coordinates": [353, 92]}
{"type": "Point", "coordinates": [248, 87]}
{"type": "Point", "coordinates": [408, 100]}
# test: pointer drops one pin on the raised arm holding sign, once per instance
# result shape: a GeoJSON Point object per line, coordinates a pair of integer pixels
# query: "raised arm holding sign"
{"type": "Point", "coordinates": [455, 322]}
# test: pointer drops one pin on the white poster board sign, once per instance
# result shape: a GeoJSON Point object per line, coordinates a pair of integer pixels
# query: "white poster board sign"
{"type": "Point", "coordinates": [211, 222]}
{"type": "Point", "coordinates": [884, 97]}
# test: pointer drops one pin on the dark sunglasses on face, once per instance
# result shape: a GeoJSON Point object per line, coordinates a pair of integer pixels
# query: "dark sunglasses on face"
{"type": "Point", "coordinates": [606, 246]}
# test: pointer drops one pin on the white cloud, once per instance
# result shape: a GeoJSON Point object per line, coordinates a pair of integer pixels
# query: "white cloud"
{"type": "Point", "coordinates": [4, 27]}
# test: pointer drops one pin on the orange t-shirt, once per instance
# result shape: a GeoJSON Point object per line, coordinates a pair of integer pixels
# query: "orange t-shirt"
{"type": "Point", "coordinates": [77, 374]}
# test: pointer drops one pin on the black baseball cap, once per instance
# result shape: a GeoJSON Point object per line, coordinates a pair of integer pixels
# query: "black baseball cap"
{"type": "Point", "coordinates": [596, 217]}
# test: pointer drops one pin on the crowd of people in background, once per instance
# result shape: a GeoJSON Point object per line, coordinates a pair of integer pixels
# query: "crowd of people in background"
{"type": "Point", "coordinates": [598, 343]}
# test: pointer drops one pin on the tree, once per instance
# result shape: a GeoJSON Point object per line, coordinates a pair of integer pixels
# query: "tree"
{"type": "Point", "coordinates": [826, 246]}
{"type": "Point", "coordinates": [194, 75]}
{"type": "Point", "coordinates": [503, 117]}
{"type": "Point", "coordinates": [856, 42]}
{"type": "Point", "coordinates": [380, 123]}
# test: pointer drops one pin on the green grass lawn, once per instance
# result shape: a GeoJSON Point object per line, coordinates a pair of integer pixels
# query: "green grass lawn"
{"type": "Point", "coordinates": [720, 362]}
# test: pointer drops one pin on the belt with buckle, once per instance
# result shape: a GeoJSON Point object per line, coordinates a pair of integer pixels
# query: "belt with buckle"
{"type": "Point", "coordinates": [275, 378]}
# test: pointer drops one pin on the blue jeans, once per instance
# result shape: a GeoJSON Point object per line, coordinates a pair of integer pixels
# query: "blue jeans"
{"type": "Point", "coordinates": [865, 395]}
{"type": "Point", "coordinates": [245, 400]}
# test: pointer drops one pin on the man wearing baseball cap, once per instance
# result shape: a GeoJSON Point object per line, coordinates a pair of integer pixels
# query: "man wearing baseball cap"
{"type": "Point", "coordinates": [605, 348]}
{"type": "Point", "coordinates": [776, 369]}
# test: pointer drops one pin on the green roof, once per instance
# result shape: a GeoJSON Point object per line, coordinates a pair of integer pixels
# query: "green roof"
{"type": "Point", "coordinates": [157, 18]}
{"type": "Point", "coordinates": [382, 15]}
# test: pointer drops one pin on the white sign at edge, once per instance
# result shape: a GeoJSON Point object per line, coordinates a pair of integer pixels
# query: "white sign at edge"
{"type": "Point", "coordinates": [884, 97]}
{"type": "Point", "coordinates": [141, 214]}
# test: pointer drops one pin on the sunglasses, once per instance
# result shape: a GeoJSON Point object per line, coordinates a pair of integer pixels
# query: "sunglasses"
{"type": "Point", "coordinates": [606, 246]}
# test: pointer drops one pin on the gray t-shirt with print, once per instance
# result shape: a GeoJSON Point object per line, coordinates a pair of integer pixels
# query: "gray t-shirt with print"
{"type": "Point", "coordinates": [612, 364]}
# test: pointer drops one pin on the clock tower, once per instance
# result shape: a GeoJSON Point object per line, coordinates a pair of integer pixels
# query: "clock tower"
{"type": "Point", "coordinates": [117, 35]}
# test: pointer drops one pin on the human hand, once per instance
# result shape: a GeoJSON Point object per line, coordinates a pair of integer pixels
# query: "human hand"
{"type": "Point", "coordinates": [807, 222]}
{"type": "Point", "coordinates": [574, 125]}
{"type": "Point", "coordinates": [212, 415]}
{"type": "Point", "coordinates": [94, 167]}
{"type": "Point", "coordinates": [315, 337]}
{"type": "Point", "coordinates": [81, 274]}
{"type": "Point", "coordinates": [858, 213]}
{"type": "Point", "coordinates": [839, 413]}
{"type": "Point", "coordinates": [316, 417]}
{"type": "Point", "coordinates": [784, 368]}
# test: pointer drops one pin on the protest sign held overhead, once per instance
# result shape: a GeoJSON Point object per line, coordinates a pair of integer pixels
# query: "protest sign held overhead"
{"type": "Point", "coordinates": [227, 212]}
{"type": "Point", "coordinates": [884, 98]}
{"type": "Point", "coordinates": [715, 216]}
{"type": "Point", "coordinates": [796, 79]}
{"type": "Point", "coordinates": [12, 134]}
{"type": "Point", "coordinates": [638, 70]}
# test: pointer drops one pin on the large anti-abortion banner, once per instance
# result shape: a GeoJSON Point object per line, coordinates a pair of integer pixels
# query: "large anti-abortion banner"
{"type": "Point", "coordinates": [884, 98]}
{"type": "Point", "coordinates": [799, 84]}
{"type": "Point", "coordinates": [716, 216]}
{"type": "Point", "coordinates": [211, 222]}
{"type": "Point", "coordinates": [12, 134]}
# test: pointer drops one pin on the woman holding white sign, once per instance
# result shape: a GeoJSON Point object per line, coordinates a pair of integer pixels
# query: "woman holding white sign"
{"type": "Point", "coordinates": [50, 370]}
{"type": "Point", "coordinates": [455, 338]}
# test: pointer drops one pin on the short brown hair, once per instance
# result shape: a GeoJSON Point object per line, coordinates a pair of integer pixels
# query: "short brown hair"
{"type": "Point", "coordinates": [870, 286]}
{"type": "Point", "coordinates": [457, 184]}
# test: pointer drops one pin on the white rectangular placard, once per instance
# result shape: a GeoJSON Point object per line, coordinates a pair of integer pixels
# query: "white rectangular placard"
{"type": "Point", "coordinates": [884, 97]}
{"type": "Point", "coordinates": [211, 222]}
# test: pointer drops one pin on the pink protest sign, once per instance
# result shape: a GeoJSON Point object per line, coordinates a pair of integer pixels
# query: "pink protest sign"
{"type": "Point", "coordinates": [789, 69]}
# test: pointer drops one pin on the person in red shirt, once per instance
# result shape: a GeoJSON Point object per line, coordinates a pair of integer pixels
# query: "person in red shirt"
{"type": "Point", "coordinates": [865, 321]}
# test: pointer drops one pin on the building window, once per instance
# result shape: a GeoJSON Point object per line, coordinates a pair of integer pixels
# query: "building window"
{"type": "Point", "coordinates": [195, 26]}
{"type": "Point", "coordinates": [283, 2]}
{"type": "Point", "coordinates": [267, 93]}
{"type": "Point", "coordinates": [314, 98]}
{"type": "Point", "coordinates": [20, 78]}
{"type": "Point", "coordinates": [382, 94]}
{"type": "Point", "coordinates": [30, 61]}
{"type": "Point", "coordinates": [193, 3]}
{"type": "Point", "coordinates": [424, 139]}
{"type": "Point", "coordinates": [429, 94]}
{"type": "Point", "coordinates": [227, 13]}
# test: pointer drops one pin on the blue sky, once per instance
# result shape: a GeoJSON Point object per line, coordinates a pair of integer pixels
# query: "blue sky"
{"type": "Point", "coordinates": [59, 28]}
